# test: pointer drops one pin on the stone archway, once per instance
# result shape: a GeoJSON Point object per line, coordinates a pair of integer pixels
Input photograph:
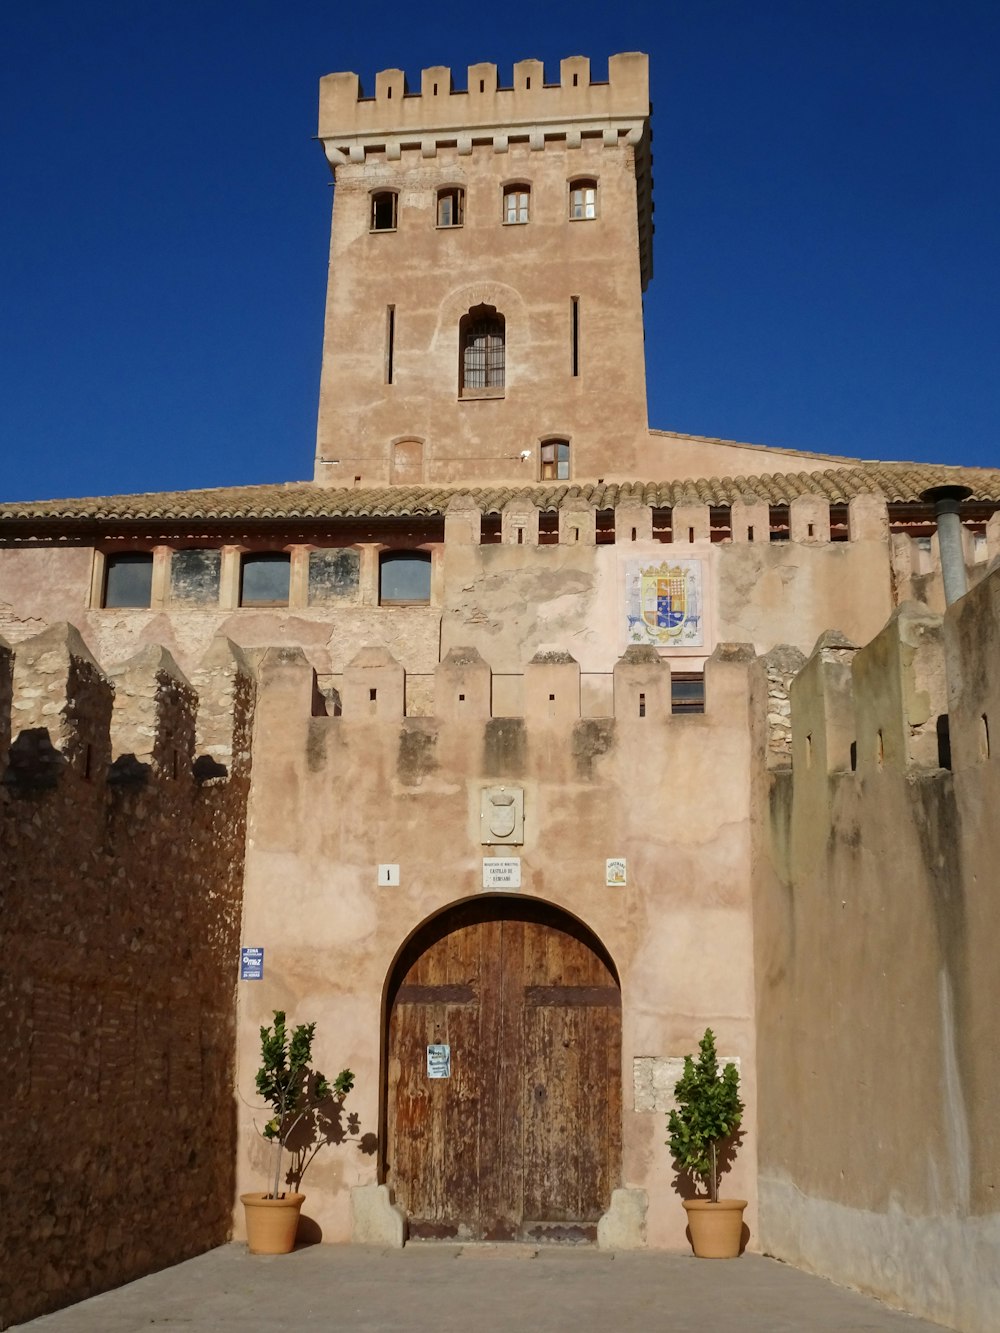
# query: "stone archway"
{"type": "Point", "coordinates": [522, 1138]}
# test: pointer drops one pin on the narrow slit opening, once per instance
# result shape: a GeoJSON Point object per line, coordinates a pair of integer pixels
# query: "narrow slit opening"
{"type": "Point", "coordinates": [642, 704]}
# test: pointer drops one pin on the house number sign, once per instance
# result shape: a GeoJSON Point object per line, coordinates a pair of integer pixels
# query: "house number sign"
{"type": "Point", "coordinates": [439, 1061]}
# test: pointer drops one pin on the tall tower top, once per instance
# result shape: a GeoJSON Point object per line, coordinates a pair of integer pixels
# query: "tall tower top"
{"type": "Point", "coordinates": [353, 125]}
{"type": "Point", "coordinates": [489, 249]}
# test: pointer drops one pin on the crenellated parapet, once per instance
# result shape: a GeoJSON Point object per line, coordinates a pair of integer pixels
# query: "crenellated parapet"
{"type": "Point", "coordinates": [374, 689]}
{"type": "Point", "coordinates": [918, 698]}
{"type": "Point", "coordinates": [396, 116]}
{"type": "Point", "coordinates": [138, 720]}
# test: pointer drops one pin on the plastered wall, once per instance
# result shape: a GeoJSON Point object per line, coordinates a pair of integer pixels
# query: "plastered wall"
{"type": "Point", "coordinates": [335, 797]}
{"type": "Point", "coordinates": [875, 919]}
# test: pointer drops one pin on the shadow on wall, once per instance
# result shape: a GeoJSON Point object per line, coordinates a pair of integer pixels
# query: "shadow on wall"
{"type": "Point", "coordinates": [326, 1126]}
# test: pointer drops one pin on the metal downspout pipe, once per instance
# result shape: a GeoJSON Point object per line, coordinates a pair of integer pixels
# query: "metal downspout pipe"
{"type": "Point", "coordinates": [947, 501]}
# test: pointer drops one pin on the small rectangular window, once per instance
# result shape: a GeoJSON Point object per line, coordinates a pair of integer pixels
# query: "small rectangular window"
{"type": "Point", "coordinates": [390, 341]}
{"type": "Point", "coordinates": [265, 579]}
{"type": "Point", "coordinates": [687, 692]}
{"type": "Point", "coordinates": [574, 317]}
{"type": "Point", "coordinates": [583, 200]}
{"type": "Point", "coordinates": [554, 459]}
{"type": "Point", "coordinates": [404, 577]}
{"type": "Point", "coordinates": [384, 211]}
{"type": "Point", "coordinates": [515, 203]}
{"type": "Point", "coordinates": [450, 207]}
{"type": "Point", "coordinates": [128, 579]}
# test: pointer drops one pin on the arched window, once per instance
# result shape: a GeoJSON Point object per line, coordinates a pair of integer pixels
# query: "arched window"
{"type": "Point", "coordinates": [482, 338]}
{"type": "Point", "coordinates": [383, 211]}
{"type": "Point", "coordinates": [450, 206]}
{"type": "Point", "coordinates": [554, 459]}
{"type": "Point", "coordinates": [404, 578]}
{"type": "Point", "coordinates": [516, 201]}
{"type": "Point", "coordinates": [582, 199]}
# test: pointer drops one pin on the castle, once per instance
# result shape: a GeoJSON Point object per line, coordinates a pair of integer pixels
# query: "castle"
{"type": "Point", "coordinates": [522, 731]}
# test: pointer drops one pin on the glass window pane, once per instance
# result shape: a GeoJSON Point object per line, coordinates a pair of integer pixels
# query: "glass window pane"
{"type": "Point", "coordinates": [405, 576]}
{"type": "Point", "coordinates": [128, 579]}
{"type": "Point", "coordinates": [264, 579]}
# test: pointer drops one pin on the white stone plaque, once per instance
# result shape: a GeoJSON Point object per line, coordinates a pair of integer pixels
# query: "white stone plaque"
{"type": "Point", "coordinates": [388, 875]}
{"type": "Point", "coordinates": [614, 876]}
{"type": "Point", "coordinates": [501, 872]}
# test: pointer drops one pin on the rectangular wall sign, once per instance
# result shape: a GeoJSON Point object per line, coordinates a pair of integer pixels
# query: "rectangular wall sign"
{"type": "Point", "coordinates": [501, 872]}
{"type": "Point", "coordinates": [388, 875]}
{"type": "Point", "coordinates": [251, 964]}
{"type": "Point", "coordinates": [439, 1061]}
{"type": "Point", "coordinates": [615, 872]}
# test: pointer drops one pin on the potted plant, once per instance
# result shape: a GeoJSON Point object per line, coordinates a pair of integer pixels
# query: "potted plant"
{"type": "Point", "coordinates": [292, 1090]}
{"type": "Point", "coordinates": [708, 1113]}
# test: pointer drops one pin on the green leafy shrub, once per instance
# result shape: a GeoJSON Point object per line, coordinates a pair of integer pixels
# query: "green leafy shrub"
{"type": "Point", "coordinates": [289, 1085]}
{"type": "Point", "coordinates": [708, 1111]}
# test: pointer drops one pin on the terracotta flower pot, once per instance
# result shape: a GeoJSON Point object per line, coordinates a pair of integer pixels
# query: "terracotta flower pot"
{"type": "Point", "coordinates": [272, 1223]}
{"type": "Point", "coordinates": [716, 1228]}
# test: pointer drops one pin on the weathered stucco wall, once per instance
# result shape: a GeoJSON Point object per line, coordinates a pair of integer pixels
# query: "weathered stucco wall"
{"type": "Point", "coordinates": [876, 917]}
{"type": "Point", "coordinates": [335, 797]}
{"type": "Point", "coordinates": [121, 862]}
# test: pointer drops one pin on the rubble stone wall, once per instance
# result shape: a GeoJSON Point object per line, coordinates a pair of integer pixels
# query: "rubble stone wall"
{"type": "Point", "coordinates": [121, 882]}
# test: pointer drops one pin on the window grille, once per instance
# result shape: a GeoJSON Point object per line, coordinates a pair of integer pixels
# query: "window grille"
{"type": "Point", "coordinates": [483, 352]}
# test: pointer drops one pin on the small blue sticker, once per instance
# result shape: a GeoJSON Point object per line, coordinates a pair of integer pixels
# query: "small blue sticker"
{"type": "Point", "coordinates": [251, 964]}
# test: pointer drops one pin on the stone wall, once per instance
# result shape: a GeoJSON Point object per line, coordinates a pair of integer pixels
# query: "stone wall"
{"type": "Point", "coordinates": [876, 916]}
{"type": "Point", "coordinates": [122, 826]}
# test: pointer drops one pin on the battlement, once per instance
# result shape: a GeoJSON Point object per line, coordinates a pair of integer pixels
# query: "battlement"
{"type": "Point", "coordinates": [373, 690]}
{"type": "Point", "coordinates": [350, 122]}
{"type": "Point", "coordinates": [918, 698]}
{"type": "Point", "coordinates": [60, 713]}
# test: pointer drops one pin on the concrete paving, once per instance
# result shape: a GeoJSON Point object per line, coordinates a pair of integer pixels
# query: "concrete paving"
{"type": "Point", "coordinates": [439, 1288]}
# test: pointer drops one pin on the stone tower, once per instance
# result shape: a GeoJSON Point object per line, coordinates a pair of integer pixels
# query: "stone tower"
{"type": "Point", "coordinates": [489, 251]}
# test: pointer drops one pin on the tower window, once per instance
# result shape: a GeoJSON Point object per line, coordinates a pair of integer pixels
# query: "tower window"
{"type": "Point", "coordinates": [404, 578]}
{"type": "Point", "coordinates": [516, 199]}
{"type": "Point", "coordinates": [264, 579]}
{"type": "Point", "coordinates": [128, 579]}
{"type": "Point", "coordinates": [482, 338]}
{"type": "Point", "coordinates": [554, 459]}
{"type": "Point", "coordinates": [384, 210]}
{"type": "Point", "coordinates": [450, 207]}
{"type": "Point", "coordinates": [583, 200]}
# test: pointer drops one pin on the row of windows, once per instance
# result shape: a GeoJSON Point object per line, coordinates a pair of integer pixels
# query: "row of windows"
{"type": "Point", "coordinates": [515, 205]}
{"type": "Point", "coordinates": [265, 578]}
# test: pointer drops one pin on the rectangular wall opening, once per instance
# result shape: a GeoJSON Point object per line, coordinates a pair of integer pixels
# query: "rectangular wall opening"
{"type": "Point", "coordinates": [574, 317]}
{"type": "Point", "coordinates": [390, 342]}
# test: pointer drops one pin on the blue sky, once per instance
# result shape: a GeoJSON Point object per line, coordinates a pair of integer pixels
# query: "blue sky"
{"type": "Point", "coordinates": [827, 269]}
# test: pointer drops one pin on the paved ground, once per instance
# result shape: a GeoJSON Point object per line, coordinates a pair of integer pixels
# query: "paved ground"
{"type": "Point", "coordinates": [496, 1289]}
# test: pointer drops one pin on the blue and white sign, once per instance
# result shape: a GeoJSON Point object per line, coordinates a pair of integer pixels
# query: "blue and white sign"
{"type": "Point", "coordinates": [251, 965]}
{"type": "Point", "coordinates": [439, 1061]}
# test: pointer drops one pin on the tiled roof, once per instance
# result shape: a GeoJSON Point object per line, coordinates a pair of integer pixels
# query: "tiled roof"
{"type": "Point", "coordinates": [897, 482]}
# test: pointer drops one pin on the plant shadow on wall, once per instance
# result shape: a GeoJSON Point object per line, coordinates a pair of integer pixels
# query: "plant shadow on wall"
{"type": "Point", "coordinates": [705, 1136]}
{"type": "Point", "coordinates": [308, 1114]}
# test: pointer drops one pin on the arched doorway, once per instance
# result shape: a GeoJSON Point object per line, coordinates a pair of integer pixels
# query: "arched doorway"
{"type": "Point", "coordinates": [522, 1138]}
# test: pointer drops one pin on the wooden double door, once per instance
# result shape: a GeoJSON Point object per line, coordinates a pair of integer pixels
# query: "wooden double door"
{"type": "Point", "coordinates": [522, 1137]}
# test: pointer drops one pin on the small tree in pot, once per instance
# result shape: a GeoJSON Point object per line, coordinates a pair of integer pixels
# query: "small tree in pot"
{"type": "Point", "coordinates": [709, 1111]}
{"type": "Point", "coordinates": [292, 1090]}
